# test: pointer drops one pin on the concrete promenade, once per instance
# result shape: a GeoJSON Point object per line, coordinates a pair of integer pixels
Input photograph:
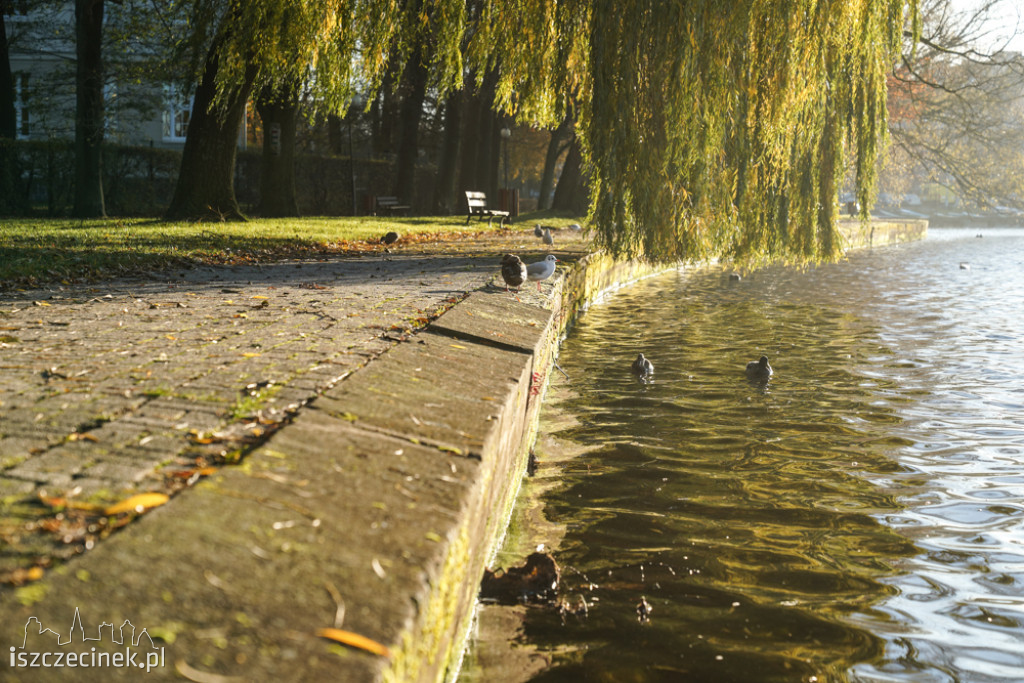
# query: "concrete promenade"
{"type": "Point", "coordinates": [342, 440]}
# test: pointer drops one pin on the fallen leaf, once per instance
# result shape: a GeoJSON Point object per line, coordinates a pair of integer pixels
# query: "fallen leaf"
{"type": "Point", "coordinates": [83, 437]}
{"type": "Point", "coordinates": [456, 346]}
{"type": "Point", "coordinates": [354, 640]}
{"type": "Point", "coordinates": [137, 503]}
{"type": "Point", "coordinates": [22, 576]}
{"type": "Point", "coordinates": [61, 502]}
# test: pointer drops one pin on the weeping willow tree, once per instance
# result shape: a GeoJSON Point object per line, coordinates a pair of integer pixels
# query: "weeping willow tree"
{"type": "Point", "coordinates": [710, 127]}
{"type": "Point", "coordinates": [328, 46]}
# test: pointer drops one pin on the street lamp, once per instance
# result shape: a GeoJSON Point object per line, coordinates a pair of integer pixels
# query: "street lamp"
{"type": "Point", "coordinates": [506, 135]}
{"type": "Point", "coordinates": [353, 111]}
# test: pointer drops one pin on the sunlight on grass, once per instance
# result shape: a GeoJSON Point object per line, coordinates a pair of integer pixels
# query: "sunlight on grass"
{"type": "Point", "coordinates": [38, 251]}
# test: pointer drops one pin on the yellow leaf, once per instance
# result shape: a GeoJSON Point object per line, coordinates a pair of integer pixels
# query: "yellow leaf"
{"type": "Point", "coordinates": [83, 437]}
{"type": "Point", "coordinates": [354, 640]}
{"type": "Point", "coordinates": [171, 337]}
{"type": "Point", "coordinates": [40, 303]}
{"type": "Point", "coordinates": [260, 296]}
{"type": "Point", "coordinates": [137, 503]}
{"type": "Point", "coordinates": [250, 355]}
{"type": "Point", "coordinates": [456, 346]}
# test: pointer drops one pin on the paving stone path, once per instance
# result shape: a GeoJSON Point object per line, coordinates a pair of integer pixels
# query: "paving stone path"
{"type": "Point", "coordinates": [139, 385]}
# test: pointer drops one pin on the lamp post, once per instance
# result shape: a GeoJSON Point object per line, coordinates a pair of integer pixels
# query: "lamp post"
{"type": "Point", "coordinates": [353, 111]}
{"type": "Point", "coordinates": [506, 135]}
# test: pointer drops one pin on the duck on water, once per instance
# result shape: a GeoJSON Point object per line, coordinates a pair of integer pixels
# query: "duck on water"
{"type": "Point", "coordinates": [759, 370]}
{"type": "Point", "coordinates": [642, 367]}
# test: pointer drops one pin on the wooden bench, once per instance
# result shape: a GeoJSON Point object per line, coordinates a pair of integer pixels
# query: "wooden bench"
{"type": "Point", "coordinates": [476, 203]}
{"type": "Point", "coordinates": [391, 205]}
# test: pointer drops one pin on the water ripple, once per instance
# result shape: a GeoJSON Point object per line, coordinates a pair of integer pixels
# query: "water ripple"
{"type": "Point", "coordinates": [858, 518]}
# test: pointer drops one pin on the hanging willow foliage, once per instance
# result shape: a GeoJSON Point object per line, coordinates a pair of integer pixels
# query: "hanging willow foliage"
{"type": "Point", "coordinates": [711, 127]}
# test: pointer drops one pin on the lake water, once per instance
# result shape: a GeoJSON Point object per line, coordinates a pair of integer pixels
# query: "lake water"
{"type": "Point", "coordinates": [858, 518]}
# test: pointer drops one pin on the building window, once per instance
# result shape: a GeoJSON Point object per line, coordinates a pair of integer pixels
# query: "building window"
{"type": "Point", "coordinates": [177, 112]}
{"type": "Point", "coordinates": [21, 104]}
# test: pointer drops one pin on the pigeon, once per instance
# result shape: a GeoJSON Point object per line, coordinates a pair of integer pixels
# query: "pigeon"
{"type": "Point", "coordinates": [541, 270]}
{"type": "Point", "coordinates": [642, 366]}
{"type": "Point", "coordinates": [548, 239]}
{"type": "Point", "coordinates": [537, 232]}
{"type": "Point", "coordinates": [389, 238]}
{"type": "Point", "coordinates": [759, 370]}
{"type": "Point", "coordinates": [513, 271]}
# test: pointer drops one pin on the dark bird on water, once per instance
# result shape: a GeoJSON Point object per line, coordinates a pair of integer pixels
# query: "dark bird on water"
{"type": "Point", "coordinates": [759, 370]}
{"type": "Point", "coordinates": [389, 238]}
{"type": "Point", "coordinates": [513, 271]}
{"type": "Point", "coordinates": [642, 366]}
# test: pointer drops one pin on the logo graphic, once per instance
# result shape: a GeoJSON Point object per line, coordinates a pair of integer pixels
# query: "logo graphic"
{"type": "Point", "coordinates": [39, 648]}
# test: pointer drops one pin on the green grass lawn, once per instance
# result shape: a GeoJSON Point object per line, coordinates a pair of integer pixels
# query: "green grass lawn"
{"type": "Point", "coordinates": [41, 251]}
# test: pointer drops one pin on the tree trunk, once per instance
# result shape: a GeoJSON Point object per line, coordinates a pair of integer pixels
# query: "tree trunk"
{"type": "Point", "coordinates": [385, 115]}
{"type": "Point", "coordinates": [8, 116]}
{"type": "Point", "coordinates": [335, 136]}
{"type": "Point", "coordinates": [88, 109]}
{"type": "Point", "coordinates": [555, 149]}
{"type": "Point", "coordinates": [486, 173]}
{"type": "Point", "coordinates": [467, 179]}
{"type": "Point", "coordinates": [414, 91]}
{"type": "Point", "coordinates": [206, 181]}
{"type": "Point", "coordinates": [445, 202]}
{"type": "Point", "coordinates": [10, 198]}
{"type": "Point", "coordinates": [279, 111]}
{"type": "Point", "coordinates": [571, 194]}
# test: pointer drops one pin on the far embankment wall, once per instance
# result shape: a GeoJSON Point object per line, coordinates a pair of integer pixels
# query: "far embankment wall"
{"type": "Point", "coordinates": [876, 233]}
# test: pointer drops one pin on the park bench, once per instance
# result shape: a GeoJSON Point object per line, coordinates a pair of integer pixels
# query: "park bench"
{"type": "Point", "coordinates": [390, 205]}
{"type": "Point", "coordinates": [476, 203]}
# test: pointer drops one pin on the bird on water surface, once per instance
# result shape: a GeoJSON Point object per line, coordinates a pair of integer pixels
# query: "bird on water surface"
{"type": "Point", "coordinates": [513, 271]}
{"type": "Point", "coordinates": [759, 370]}
{"type": "Point", "coordinates": [643, 366]}
{"type": "Point", "coordinates": [541, 270]}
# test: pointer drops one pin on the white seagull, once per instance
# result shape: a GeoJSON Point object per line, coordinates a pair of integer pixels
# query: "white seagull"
{"type": "Point", "coordinates": [548, 239]}
{"type": "Point", "coordinates": [541, 270]}
{"type": "Point", "coordinates": [537, 232]}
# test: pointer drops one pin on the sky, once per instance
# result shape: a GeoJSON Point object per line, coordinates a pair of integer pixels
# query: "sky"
{"type": "Point", "coordinates": [1008, 19]}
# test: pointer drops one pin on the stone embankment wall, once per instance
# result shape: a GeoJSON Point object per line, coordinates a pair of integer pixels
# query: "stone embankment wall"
{"type": "Point", "coordinates": [877, 233]}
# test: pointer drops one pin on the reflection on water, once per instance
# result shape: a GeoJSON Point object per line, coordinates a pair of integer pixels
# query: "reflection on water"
{"type": "Point", "coordinates": [859, 517]}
